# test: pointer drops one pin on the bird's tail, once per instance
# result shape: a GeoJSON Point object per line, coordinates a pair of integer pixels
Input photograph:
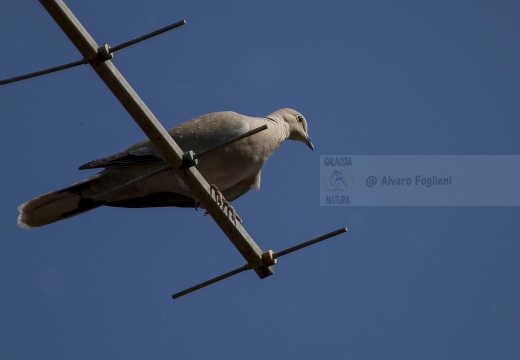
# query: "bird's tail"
{"type": "Point", "coordinates": [57, 205]}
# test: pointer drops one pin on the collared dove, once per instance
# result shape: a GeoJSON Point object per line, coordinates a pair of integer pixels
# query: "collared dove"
{"type": "Point", "coordinates": [234, 169]}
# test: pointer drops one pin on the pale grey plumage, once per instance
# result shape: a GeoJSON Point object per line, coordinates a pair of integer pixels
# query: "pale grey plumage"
{"type": "Point", "coordinates": [234, 169]}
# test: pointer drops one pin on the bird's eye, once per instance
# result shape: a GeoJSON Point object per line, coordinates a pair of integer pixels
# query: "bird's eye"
{"type": "Point", "coordinates": [299, 118]}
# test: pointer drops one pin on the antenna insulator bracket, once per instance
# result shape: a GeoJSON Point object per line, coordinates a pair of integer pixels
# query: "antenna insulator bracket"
{"type": "Point", "coordinates": [188, 159]}
{"type": "Point", "coordinates": [268, 258]}
{"type": "Point", "coordinates": [104, 53]}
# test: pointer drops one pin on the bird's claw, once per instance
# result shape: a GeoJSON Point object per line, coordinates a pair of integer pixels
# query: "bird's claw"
{"type": "Point", "coordinates": [223, 203]}
{"type": "Point", "coordinates": [220, 197]}
{"type": "Point", "coordinates": [231, 209]}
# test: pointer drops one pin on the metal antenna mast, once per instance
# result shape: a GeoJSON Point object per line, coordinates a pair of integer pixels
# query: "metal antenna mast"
{"type": "Point", "coordinates": [183, 163]}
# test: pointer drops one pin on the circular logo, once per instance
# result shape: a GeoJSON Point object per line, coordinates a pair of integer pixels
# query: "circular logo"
{"type": "Point", "coordinates": [337, 181]}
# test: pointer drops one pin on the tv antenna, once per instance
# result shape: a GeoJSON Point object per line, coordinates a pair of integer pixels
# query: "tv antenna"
{"type": "Point", "coordinates": [183, 163]}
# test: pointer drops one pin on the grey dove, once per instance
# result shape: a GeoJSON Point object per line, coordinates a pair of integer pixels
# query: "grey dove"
{"type": "Point", "coordinates": [234, 169]}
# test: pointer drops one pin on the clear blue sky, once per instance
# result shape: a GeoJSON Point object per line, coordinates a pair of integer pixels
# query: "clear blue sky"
{"type": "Point", "coordinates": [371, 77]}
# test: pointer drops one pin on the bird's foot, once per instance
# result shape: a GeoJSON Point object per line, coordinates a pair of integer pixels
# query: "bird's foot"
{"type": "Point", "coordinates": [223, 203]}
{"type": "Point", "coordinates": [231, 209]}
{"type": "Point", "coordinates": [218, 194]}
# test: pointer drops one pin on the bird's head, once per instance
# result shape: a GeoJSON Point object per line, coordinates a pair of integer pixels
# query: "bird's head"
{"type": "Point", "coordinates": [297, 125]}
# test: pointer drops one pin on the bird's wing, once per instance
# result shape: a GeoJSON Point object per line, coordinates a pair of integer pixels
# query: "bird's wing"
{"type": "Point", "coordinates": [197, 135]}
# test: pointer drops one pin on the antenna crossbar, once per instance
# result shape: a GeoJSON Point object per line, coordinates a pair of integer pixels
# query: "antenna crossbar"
{"type": "Point", "coordinates": [269, 257]}
{"type": "Point", "coordinates": [110, 50]}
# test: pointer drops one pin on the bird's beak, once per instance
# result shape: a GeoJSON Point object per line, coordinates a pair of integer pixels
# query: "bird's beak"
{"type": "Point", "coordinates": [309, 143]}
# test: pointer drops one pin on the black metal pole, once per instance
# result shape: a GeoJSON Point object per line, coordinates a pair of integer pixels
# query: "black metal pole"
{"type": "Point", "coordinates": [211, 281]}
{"type": "Point", "coordinates": [147, 36]}
{"type": "Point", "coordinates": [310, 242]}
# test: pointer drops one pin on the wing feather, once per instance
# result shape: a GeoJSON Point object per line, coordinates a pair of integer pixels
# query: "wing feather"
{"type": "Point", "coordinates": [197, 134]}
